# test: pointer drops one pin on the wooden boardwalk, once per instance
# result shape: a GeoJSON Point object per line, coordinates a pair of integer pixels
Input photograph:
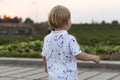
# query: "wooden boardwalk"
{"type": "Point", "coordinates": [21, 72]}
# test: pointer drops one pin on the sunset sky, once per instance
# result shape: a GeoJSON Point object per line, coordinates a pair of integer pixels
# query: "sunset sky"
{"type": "Point", "coordinates": [82, 10]}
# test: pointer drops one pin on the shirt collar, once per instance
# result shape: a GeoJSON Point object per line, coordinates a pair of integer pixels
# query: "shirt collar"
{"type": "Point", "coordinates": [60, 32]}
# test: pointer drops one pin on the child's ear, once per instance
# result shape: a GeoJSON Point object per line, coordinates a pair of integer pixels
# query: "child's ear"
{"type": "Point", "coordinates": [67, 22]}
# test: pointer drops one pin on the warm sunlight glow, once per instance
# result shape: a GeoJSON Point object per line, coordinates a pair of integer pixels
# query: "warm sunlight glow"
{"type": "Point", "coordinates": [8, 16]}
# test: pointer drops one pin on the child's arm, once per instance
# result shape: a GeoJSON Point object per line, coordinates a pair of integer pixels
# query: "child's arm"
{"type": "Point", "coordinates": [44, 63]}
{"type": "Point", "coordinates": [87, 57]}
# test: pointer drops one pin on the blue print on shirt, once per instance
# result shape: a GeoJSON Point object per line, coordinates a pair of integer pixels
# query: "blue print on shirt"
{"type": "Point", "coordinates": [60, 48]}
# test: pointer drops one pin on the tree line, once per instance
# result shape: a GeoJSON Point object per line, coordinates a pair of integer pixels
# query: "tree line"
{"type": "Point", "coordinates": [103, 22]}
{"type": "Point", "coordinates": [8, 19]}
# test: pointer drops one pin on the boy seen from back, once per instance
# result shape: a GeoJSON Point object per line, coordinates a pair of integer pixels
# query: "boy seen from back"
{"type": "Point", "coordinates": [60, 49]}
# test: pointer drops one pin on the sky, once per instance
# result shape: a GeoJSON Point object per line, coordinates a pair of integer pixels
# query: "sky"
{"type": "Point", "coordinates": [82, 11]}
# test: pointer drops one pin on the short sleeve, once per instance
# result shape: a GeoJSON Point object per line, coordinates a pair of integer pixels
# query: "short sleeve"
{"type": "Point", "coordinates": [74, 46]}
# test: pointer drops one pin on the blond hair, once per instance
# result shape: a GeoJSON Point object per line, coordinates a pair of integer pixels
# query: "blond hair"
{"type": "Point", "coordinates": [58, 16]}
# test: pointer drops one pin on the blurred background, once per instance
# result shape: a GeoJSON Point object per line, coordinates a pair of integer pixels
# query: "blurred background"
{"type": "Point", "coordinates": [95, 24]}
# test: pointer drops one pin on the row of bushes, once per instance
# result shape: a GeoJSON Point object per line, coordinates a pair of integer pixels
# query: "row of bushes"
{"type": "Point", "coordinates": [22, 49]}
{"type": "Point", "coordinates": [101, 49]}
{"type": "Point", "coordinates": [105, 52]}
{"type": "Point", "coordinates": [34, 48]}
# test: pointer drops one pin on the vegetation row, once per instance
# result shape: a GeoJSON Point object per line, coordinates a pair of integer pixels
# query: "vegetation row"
{"type": "Point", "coordinates": [34, 48]}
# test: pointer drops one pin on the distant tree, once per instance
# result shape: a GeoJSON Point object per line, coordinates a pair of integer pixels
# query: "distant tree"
{"type": "Point", "coordinates": [115, 22]}
{"type": "Point", "coordinates": [16, 20]}
{"type": "Point", "coordinates": [94, 22]}
{"type": "Point", "coordinates": [103, 22]}
{"type": "Point", "coordinates": [28, 21]}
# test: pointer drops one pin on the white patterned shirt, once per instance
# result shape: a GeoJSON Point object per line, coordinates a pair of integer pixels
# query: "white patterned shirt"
{"type": "Point", "coordinates": [60, 49]}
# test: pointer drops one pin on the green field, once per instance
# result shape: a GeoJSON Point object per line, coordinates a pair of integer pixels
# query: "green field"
{"type": "Point", "coordinates": [97, 34]}
{"type": "Point", "coordinates": [89, 34]}
{"type": "Point", "coordinates": [86, 34]}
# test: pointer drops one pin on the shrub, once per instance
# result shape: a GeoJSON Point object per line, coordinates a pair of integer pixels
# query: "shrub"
{"type": "Point", "coordinates": [23, 49]}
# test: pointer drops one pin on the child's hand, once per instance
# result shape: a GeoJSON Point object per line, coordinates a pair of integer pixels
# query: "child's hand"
{"type": "Point", "coordinates": [96, 59]}
{"type": "Point", "coordinates": [44, 63]}
{"type": "Point", "coordinates": [88, 57]}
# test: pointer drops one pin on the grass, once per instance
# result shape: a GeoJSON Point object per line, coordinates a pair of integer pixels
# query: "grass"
{"type": "Point", "coordinates": [96, 34]}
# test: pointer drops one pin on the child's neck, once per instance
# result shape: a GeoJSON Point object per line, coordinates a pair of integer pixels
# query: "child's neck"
{"type": "Point", "coordinates": [59, 29]}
